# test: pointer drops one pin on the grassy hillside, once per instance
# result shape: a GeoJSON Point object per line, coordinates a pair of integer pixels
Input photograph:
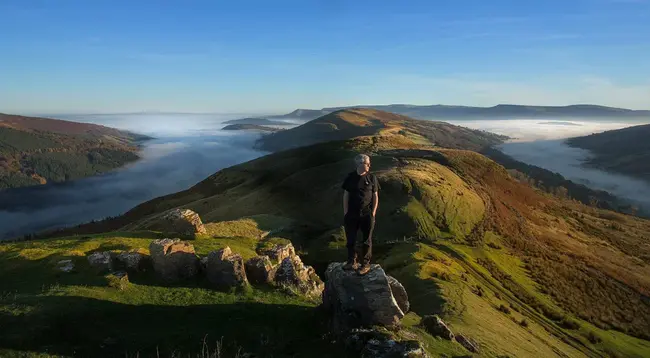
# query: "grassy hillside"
{"type": "Point", "coordinates": [625, 151]}
{"type": "Point", "coordinates": [39, 150]}
{"type": "Point", "coordinates": [524, 273]}
{"type": "Point", "coordinates": [245, 126]}
{"type": "Point", "coordinates": [350, 123]}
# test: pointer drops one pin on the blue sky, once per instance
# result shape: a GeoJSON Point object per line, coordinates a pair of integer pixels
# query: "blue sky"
{"type": "Point", "coordinates": [243, 56]}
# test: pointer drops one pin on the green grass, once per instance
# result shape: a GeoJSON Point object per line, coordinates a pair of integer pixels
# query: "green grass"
{"type": "Point", "coordinates": [45, 311]}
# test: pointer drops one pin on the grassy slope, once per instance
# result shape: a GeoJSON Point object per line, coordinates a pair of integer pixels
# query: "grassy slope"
{"type": "Point", "coordinates": [449, 222]}
{"type": "Point", "coordinates": [38, 150]}
{"type": "Point", "coordinates": [624, 150]}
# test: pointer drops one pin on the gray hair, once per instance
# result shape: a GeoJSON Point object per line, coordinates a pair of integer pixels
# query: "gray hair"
{"type": "Point", "coordinates": [361, 158]}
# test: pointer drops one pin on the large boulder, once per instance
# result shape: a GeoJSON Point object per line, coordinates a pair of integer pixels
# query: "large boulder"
{"type": "Point", "coordinates": [374, 343]}
{"type": "Point", "coordinates": [132, 261]}
{"type": "Point", "coordinates": [181, 221]}
{"type": "Point", "coordinates": [226, 269]}
{"type": "Point", "coordinates": [299, 278]}
{"type": "Point", "coordinates": [399, 292]}
{"type": "Point", "coordinates": [259, 270]}
{"type": "Point", "coordinates": [468, 343]}
{"type": "Point", "coordinates": [437, 327]}
{"type": "Point", "coordinates": [278, 253]}
{"type": "Point", "coordinates": [174, 259]}
{"type": "Point", "coordinates": [101, 262]}
{"type": "Point", "coordinates": [360, 300]}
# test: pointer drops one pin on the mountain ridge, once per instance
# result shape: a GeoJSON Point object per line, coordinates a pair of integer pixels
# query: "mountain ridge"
{"type": "Point", "coordinates": [497, 111]}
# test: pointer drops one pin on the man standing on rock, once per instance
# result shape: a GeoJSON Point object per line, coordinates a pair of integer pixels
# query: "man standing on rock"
{"type": "Point", "coordinates": [360, 202]}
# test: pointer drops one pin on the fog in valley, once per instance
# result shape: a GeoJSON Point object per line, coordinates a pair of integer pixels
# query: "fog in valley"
{"type": "Point", "coordinates": [188, 148]}
{"type": "Point", "coordinates": [542, 143]}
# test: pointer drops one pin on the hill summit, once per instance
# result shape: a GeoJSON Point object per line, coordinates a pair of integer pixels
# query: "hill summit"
{"type": "Point", "coordinates": [360, 122]}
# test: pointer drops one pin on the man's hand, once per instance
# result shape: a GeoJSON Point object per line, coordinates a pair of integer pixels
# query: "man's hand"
{"type": "Point", "coordinates": [375, 204]}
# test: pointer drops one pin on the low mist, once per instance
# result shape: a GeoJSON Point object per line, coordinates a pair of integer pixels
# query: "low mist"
{"type": "Point", "coordinates": [187, 149]}
{"type": "Point", "coordinates": [542, 143]}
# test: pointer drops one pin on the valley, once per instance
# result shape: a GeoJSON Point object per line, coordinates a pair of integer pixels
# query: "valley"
{"type": "Point", "coordinates": [522, 272]}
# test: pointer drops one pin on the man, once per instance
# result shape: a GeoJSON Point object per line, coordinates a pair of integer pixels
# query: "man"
{"type": "Point", "coordinates": [360, 202]}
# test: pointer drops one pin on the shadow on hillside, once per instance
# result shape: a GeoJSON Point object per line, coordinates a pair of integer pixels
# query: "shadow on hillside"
{"type": "Point", "coordinates": [88, 327]}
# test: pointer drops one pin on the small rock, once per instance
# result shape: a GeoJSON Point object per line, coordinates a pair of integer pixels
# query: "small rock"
{"type": "Point", "coordinates": [278, 253]}
{"type": "Point", "coordinates": [399, 292]}
{"type": "Point", "coordinates": [226, 269]}
{"type": "Point", "coordinates": [101, 261]}
{"type": "Point", "coordinates": [259, 270]}
{"type": "Point", "coordinates": [293, 274]}
{"type": "Point", "coordinates": [174, 259]}
{"type": "Point", "coordinates": [468, 343]}
{"type": "Point", "coordinates": [65, 265]}
{"type": "Point", "coordinates": [184, 222]}
{"type": "Point", "coordinates": [372, 343]}
{"type": "Point", "coordinates": [118, 280]}
{"type": "Point", "coordinates": [436, 327]}
{"type": "Point", "coordinates": [131, 261]}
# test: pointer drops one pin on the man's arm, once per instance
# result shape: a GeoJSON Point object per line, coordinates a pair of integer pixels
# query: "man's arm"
{"type": "Point", "coordinates": [346, 196]}
{"type": "Point", "coordinates": [375, 204]}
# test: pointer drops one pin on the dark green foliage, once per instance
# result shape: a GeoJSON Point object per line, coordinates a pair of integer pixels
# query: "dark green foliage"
{"type": "Point", "coordinates": [61, 166]}
{"type": "Point", "coordinates": [503, 308]}
{"type": "Point", "coordinates": [523, 323]}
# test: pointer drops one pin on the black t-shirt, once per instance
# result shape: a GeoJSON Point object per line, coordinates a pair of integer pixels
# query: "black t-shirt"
{"type": "Point", "coordinates": [361, 189]}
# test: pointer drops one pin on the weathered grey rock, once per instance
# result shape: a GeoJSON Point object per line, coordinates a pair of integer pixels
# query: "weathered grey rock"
{"type": "Point", "coordinates": [399, 292]}
{"type": "Point", "coordinates": [174, 259]}
{"type": "Point", "coordinates": [372, 343]}
{"type": "Point", "coordinates": [436, 327]}
{"type": "Point", "coordinates": [259, 270]}
{"type": "Point", "coordinates": [131, 261]}
{"type": "Point", "coordinates": [299, 278]}
{"type": "Point", "coordinates": [359, 300]}
{"type": "Point", "coordinates": [118, 280]}
{"type": "Point", "coordinates": [278, 253]}
{"type": "Point", "coordinates": [101, 262]}
{"type": "Point", "coordinates": [468, 343]}
{"type": "Point", "coordinates": [226, 269]}
{"type": "Point", "coordinates": [65, 266]}
{"type": "Point", "coordinates": [181, 221]}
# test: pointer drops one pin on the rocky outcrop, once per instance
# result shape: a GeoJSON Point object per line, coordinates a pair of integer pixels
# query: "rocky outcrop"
{"type": "Point", "coordinates": [373, 343]}
{"type": "Point", "coordinates": [436, 327]}
{"type": "Point", "coordinates": [259, 270]}
{"type": "Point", "coordinates": [360, 300]}
{"type": "Point", "coordinates": [399, 292]}
{"type": "Point", "coordinates": [101, 262]}
{"type": "Point", "coordinates": [299, 278]}
{"type": "Point", "coordinates": [132, 261]}
{"type": "Point", "coordinates": [225, 269]}
{"type": "Point", "coordinates": [65, 266]}
{"type": "Point", "coordinates": [118, 280]}
{"type": "Point", "coordinates": [174, 259]}
{"type": "Point", "coordinates": [181, 221]}
{"type": "Point", "coordinates": [278, 253]}
{"type": "Point", "coordinates": [468, 343]}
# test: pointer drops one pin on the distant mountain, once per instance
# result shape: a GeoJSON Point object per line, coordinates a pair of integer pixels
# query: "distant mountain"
{"type": "Point", "coordinates": [254, 127]}
{"type": "Point", "coordinates": [40, 150]}
{"type": "Point", "coordinates": [625, 151]}
{"type": "Point", "coordinates": [350, 123]}
{"type": "Point", "coordinates": [256, 121]}
{"type": "Point", "coordinates": [505, 111]}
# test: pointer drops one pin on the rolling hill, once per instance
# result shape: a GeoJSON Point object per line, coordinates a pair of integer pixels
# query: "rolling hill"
{"type": "Point", "coordinates": [39, 150]}
{"type": "Point", "coordinates": [350, 123]}
{"type": "Point", "coordinates": [524, 273]}
{"type": "Point", "coordinates": [501, 111]}
{"type": "Point", "coordinates": [253, 127]}
{"type": "Point", "coordinates": [625, 151]}
{"type": "Point", "coordinates": [255, 121]}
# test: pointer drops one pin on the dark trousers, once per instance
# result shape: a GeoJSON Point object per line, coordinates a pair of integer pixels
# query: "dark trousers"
{"type": "Point", "coordinates": [365, 223]}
